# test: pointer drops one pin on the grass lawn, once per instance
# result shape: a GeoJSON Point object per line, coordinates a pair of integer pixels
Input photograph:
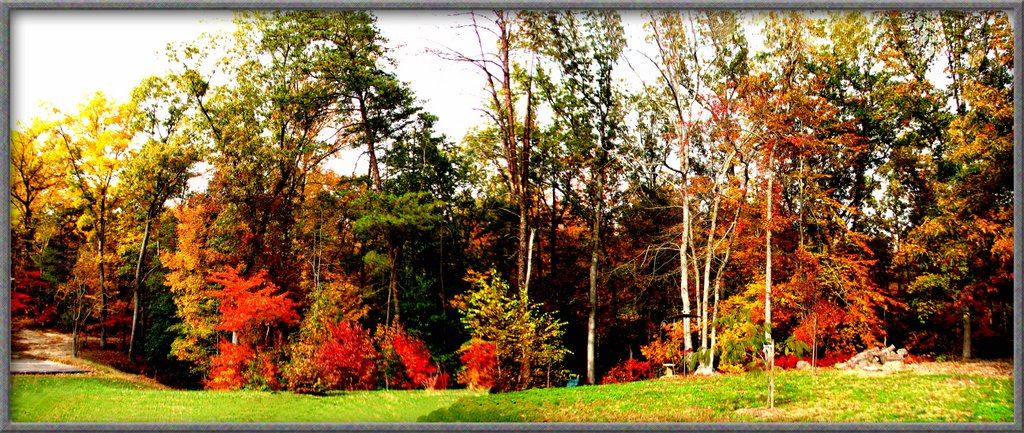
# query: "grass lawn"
{"type": "Point", "coordinates": [104, 399]}
{"type": "Point", "coordinates": [826, 396]}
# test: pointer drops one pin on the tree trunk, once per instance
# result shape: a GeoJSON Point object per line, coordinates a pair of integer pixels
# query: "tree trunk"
{"type": "Point", "coordinates": [967, 335]}
{"type": "Point", "coordinates": [137, 289]}
{"type": "Point", "coordinates": [103, 286]}
{"type": "Point", "coordinates": [769, 344]}
{"type": "Point", "coordinates": [814, 341]}
{"type": "Point", "coordinates": [684, 242]}
{"type": "Point", "coordinates": [594, 256]}
{"type": "Point", "coordinates": [714, 329]}
{"type": "Point", "coordinates": [371, 142]}
{"type": "Point", "coordinates": [393, 253]}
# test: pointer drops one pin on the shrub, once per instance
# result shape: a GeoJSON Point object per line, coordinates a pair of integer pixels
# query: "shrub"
{"type": "Point", "coordinates": [527, 341]}
{"type": "Point", "coordinates": [228, 366]}
{"type": "Point", "coordinates": [479, 365]}
{"type": "Point", "coordinates": [346, 360]}
{"type": "Point", "coordinates": [832, 359]}
{"type": "Point", "coordinates": [301, 374]}
{"type": "Point", "coordinates": [631, 370]}
{"type": "Point", "coordinates": [342, 357]}
{"type": "Point", "coordinates": [729, 368]}
{"type": "Point", "coordinates": [786, 361]}
{"type": "Point", "coordinates": [263, 372]}
{"type": "Point", "coordinates": [416, 359]}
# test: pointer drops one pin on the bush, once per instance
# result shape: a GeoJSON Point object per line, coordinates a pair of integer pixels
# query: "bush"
{"type": "Point", "coordinates": [228, 366]}
{"type": "Point", "coordinates": [631, 370]}
{"type": "Point", "coordinates": [341, 358]}
{"type": "Point", "coordinates": [263, 373]}
{"type": "Point", "coordinates": [405, 361]}
{"type": "Point", "coordinates": [302, 374]}
{"type": "Point", "coordinates": [479, 365]}
{"type": "Point", "coordinates": [832, 359]}
{"type": "Point", "coordinates": [527, 341]}
{"type": "Point", "coordinates": [790, 361]}
{"type": "Point", "coordinates": [786, 361]}
{"type": "Point", "coordinates": [729, 368]}
{"type": "Point", "coordinates": [416, 359]}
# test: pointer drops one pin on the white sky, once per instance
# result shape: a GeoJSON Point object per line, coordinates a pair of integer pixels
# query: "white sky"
{"type": "Point", "coordinates": [61, 57]}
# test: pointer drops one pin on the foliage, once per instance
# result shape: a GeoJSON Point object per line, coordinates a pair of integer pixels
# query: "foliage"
{"type": "Point", "coordinates": [631, 370]}
{"type": "Point", "coordinates": [342, 357]}
{"type": "Point", "coordinates": [228, 366]}
{"type": "Point", "coordinates": [416, 359]}
{"type": "Point", "coordinates": [878, 140]}
{"type": "Point", "coordinates": [249, 304]}
{"type": "Point", "coordinates": [527, 341]}
{"type": "Point", "coordinates": [480, 365]}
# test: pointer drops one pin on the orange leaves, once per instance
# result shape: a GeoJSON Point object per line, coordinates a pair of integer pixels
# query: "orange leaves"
{"type": "Point", "coordinates": [480, 364]}
{"type": "Point", "coordinates": [248, 303]}
{"type": "Point", "coordinates": [227, 372]}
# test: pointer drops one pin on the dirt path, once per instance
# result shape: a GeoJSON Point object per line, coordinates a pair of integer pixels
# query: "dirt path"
{"type": "Point", "coordinates": [30, 343]}
{"type": "Point", "coordinates": [45, 352]}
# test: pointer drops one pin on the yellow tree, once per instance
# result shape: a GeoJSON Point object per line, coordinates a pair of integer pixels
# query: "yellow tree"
{"type": "Point", "coordinates": [35, 185]}
{"type": "Point", "coordinates": [94, 146]}
{"type": "Point", "coordinates": [34, 174]}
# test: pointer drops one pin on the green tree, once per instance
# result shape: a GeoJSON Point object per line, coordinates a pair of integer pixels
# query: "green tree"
{"type": "Point", "coordinates": [159, 172]}
{"type": "Point", "coordinates": [527, 341]}
{"type": "Point", "coordinates": [584, 49]}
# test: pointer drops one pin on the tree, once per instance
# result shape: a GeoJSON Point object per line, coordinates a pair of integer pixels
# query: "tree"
{"type": "Point", "coordinates": [34, 173]}
{"type": "Point", "coordinates": [701, 94]}
{"type": "Point", "coordinates": [95, 143]}
{"type": "Point", "coordinates": [961, 250]}
{"type": "Point", "coordinates": [584, 49]}
{"type": "Point", "coordinates": [515, 135]}
{"type": "Point", "coordinates": [524, 338]}
{"type": "Point", "coordinates": [160, 171]}
{"type": "Point", "coordinates": [395, 219]}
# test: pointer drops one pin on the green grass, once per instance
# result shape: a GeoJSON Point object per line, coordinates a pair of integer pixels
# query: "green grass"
{"type": "Point", "coordinates": [98, 399]}
{"type": "Point", "coordinates": [827, 396]}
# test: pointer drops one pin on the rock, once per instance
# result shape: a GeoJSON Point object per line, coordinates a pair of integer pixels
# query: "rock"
{"type": "Point", "coordinates": [876, 358]}
{"type": "Point", "coordinates": [803, 365]}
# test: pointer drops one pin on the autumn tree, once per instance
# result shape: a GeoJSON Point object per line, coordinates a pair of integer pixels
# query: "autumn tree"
{"type": "Point", "coordinates": [960, 253]}
{"type": "Point", "coordinates": [702, 60]}
{"type": "Point", "coordinates": [95, 146]}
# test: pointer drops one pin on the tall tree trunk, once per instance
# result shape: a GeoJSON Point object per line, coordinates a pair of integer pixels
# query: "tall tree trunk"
{"type": "Point", "coordinates": [371, 144]}
{"type": "Point", "coordinates": [594, 256]}
{"type": "Point", "coordinates": [967, 335]}
{"type": "Point", "coordinates": [137, 288]}
{"type": "Point", "coordinates": [684, 289]}
{"type": "Point", "coordinates": [769, 344]}
{"type": "Point", "coordinates": [103, 284]}
{"type": "Point", "coordinates": [393, 253]}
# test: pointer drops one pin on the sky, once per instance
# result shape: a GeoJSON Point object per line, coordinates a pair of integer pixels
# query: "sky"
{"type": "Point", "coordinates": [61, 57]}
